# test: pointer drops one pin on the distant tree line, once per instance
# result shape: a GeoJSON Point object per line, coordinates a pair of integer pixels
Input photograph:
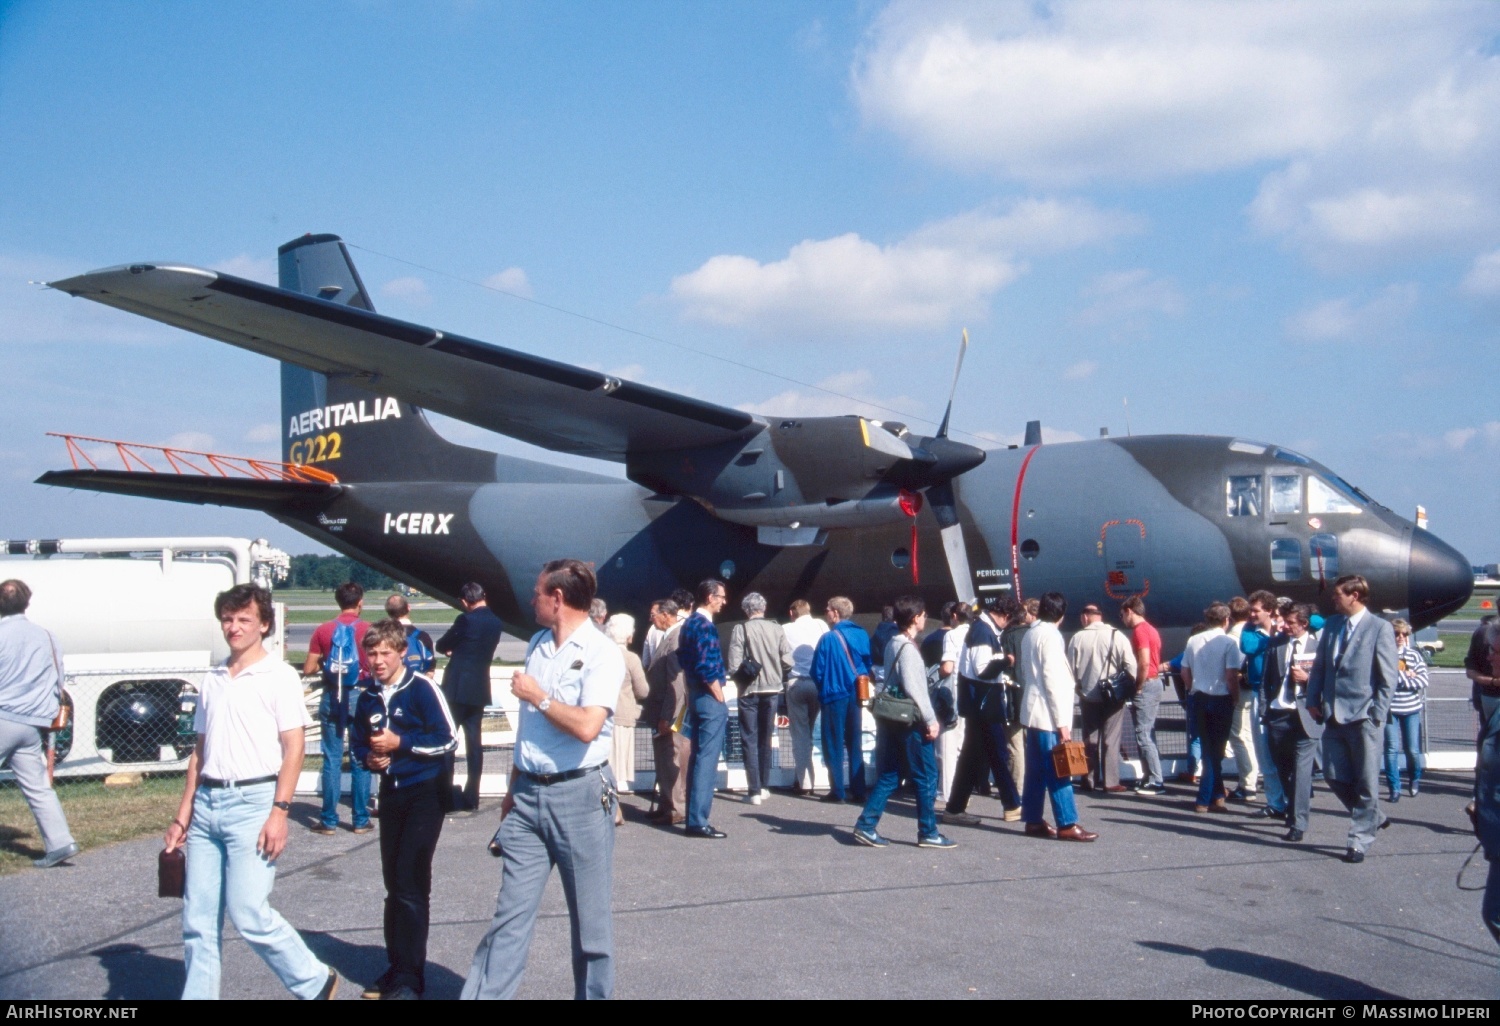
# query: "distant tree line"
{"type": "Point", "coordinates": [328, 572]}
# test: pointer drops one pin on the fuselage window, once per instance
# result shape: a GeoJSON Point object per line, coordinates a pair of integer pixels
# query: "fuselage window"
{"type": "Point", "coordinates": [1323, 497]}
{"type": "Point", "coordinates": [1286, 559]}
{"type": "Point", "coordinates": [1286, 494]}
{"type": "Point", "coordinates": [1242, 495]}
{"type": "Point", "coordinates": [1324, 550]}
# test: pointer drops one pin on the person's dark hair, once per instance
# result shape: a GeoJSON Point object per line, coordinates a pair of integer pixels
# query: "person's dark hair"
{"type": "Point", "coordinates": [683, 598]}
{"type": "Point", "coordinates": [707, 589]}
{"type": "Point", "coordinates": [888, 613]}
{"type": "Point", "coordinates": [906, 609]}
{"type": "Point", "coordinates": [574, 579]}
{"type": "Point", "coordinates": [242, 596]}
{"type": "Point", "coordinates": [14, 597]}
{"type": "Point", "coordinates": [1009, 607]}
{"type": "Point", "coordinates": [391, 633]}
{"type": "Point", "coordinates": [1264, 599]}
{"type": "Point", "coordinates": [348, 595]}
{"type": "Point", "coordinates": [666, 607]}
{"type": "Point", "coordinates": [1134, 605]}
{"type": "Point", "coordinates": [1216, 615]}
{"type": "Point", "coordinates": [1239, 609]}
{"type": "Point", "coordinates": [1031, 606]}
{"type": "Point", "coordinates": [396, 607]}
{"type": "Point", "coordinates": [1303, 611]}
{"type": "Point", "coordinates": [1354, 586]}
{"type": "Point", "coordinates": [472, 593]}
{"type": "Point", "coordinates": [1052, 607]}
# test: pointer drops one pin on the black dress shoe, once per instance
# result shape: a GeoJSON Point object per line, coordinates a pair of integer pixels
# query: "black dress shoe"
{"type": "Point", "coordinates": [706, 831]}
{"type": "Point", "coordinates": [1266, 812]}
{"type": "Point", "coordinates": [1354, 856]}
{"type": "Point", "coordinates": [831, 799]}
{"type": "Point", "coordinates": [1384, 823]}
{"type": "Point", "coordinates": [1293, 835]}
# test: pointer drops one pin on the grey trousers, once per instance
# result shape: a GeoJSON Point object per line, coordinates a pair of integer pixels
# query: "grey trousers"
{"type": "Point", "coordinates": [1293, 753]}
{"type": "Point", "coordinates": [22, 745]}
{"type": "Point", "coordinates": [568, 825]}
{"type": "Point", "coordinates": [1103, 726]}
{"type": "Point", "coordinates": [802, 709]}
{"type": "Point", "coordinates": [1143, 709]}
{"type": "Point", "coordinates": [1352, 754]}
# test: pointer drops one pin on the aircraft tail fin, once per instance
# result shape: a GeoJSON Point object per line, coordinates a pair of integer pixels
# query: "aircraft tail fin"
{"type": "Point", "coordinates": [340, 423]}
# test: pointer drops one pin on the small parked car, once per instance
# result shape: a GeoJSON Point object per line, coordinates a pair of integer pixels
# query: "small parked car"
{"type": "Point", "coordinates": [1428, 642]}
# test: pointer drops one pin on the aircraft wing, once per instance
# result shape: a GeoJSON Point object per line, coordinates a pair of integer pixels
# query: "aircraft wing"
{"type": "Point", "coordinates": [550, 404]}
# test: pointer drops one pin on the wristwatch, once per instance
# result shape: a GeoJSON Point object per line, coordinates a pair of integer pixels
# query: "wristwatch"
{"type": "Point", "coordinates": [283, 806]}
{"type": "Point", "coordinates": [544, 705]}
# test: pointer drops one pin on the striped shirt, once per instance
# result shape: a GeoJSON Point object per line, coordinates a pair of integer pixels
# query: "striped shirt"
{"type": "Point", "coordinates": [1411, 681]}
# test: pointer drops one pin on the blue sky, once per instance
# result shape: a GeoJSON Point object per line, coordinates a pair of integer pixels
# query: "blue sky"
{"type": "Point", "coordinates": [1278, 221]}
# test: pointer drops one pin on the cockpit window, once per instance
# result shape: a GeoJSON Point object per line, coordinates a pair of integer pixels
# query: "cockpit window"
{"type": "Point", "coordinates": [1324, 497]}
{"type": "Point", "coordinates": [1286, 559]}
{"type": "Point", "coordinates": [1242, 495]}
{"type": "Point", "coordinates": [1291, 457]}
{"type": "Point", "coordinates": [1286, 494]}
{"type": "Point", "coordinates": [1324, 550]}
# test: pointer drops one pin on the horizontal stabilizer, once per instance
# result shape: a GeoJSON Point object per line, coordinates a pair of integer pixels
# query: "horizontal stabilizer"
{"type": "Point", "coordinates": [242, 493]}
{"type": "Point", "coordinates": [544, 402]}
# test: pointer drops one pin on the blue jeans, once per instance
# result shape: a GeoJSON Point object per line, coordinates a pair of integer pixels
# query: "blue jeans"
{"type": "Point", "coordinates": [224, 874]}
{"type": "Point", "coordinates": [332, 721]}
{"type": "Point", "coordinates": [1490, 909]}
{"type": "Point", "coordinates": [1042, 778]}
{"type": "Point", "coordinates": [564, 825]}
{"type": "Point", "coordinates": [1276, 796]}
{"type": "Point", "coordinates": [903, 751]}
{"type": "Point", "coordinates": [1195, 740]}
{"type": "Point", "coordinates": [1215, 716]}
{"type": "Point", "coordinates": [842, 734]}
{"type": "Point", "coordinates": [710, 719]}
{"type": "Point", "coordinates": [1403, 730]}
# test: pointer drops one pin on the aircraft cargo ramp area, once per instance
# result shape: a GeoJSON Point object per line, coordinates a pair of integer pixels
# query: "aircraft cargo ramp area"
{"type": "Point", "coordinates": [1167, 904]}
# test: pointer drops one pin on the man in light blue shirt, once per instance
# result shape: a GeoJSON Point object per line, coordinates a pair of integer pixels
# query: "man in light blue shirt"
{"type": "Point", "coordinates": [560, 805]}
{"type": "Point", "coordinates": [30, 690]}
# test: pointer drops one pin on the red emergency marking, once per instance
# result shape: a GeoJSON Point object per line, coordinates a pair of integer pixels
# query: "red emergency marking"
{"type": "Point", "coordinates": [1015, 525]}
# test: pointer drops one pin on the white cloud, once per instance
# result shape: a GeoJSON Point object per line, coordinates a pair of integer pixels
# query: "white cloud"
{"type": "Point", "coordinates": [1127, 299]}
{"type": "Point", "coordinates": [411, 290]}
{"type": "Point", "coordinates": [847, 392]}
{"type": "Point", "coordinates": [33, 314]}
{"type": "Point", "coordinates": [1342, 319]}
{"type": "Point", "coordinates": [512, 280]}
{"type": "Point", "coordinates": [943, 271]}
{"type": "Point", "coordinates": [261, 269]}
{"type": "Point", "coordinates": [197, 441]}
{"type": "Point", "coordinates": [1483, 278]}
{"type": "Point", "coordinates": [1080, 370]}
{"type": "Point", "coordinates": [1379, 127]}
{"type": "Point", "coordinates": [264, 433]}
{"type": "Point", "coordinates": [1459, 437]}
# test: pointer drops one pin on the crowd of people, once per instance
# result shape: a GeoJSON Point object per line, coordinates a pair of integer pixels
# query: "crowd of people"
{"type": "Point", "coordinates": [1294, 696]}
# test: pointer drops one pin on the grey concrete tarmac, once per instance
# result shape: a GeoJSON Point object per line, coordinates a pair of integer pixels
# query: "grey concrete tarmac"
{"type": "Point", "coordinates": [1167, 904]}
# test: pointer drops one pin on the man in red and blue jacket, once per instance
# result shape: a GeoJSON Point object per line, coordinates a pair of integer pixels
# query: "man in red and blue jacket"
{"type": "Point", "coordinates": [403, 731]}
{"type": "Point", "coordinates": [702, 661]}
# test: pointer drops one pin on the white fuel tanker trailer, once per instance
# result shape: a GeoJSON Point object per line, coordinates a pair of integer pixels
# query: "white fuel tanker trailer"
{"type": "Point", "coordinates": [135, 620]}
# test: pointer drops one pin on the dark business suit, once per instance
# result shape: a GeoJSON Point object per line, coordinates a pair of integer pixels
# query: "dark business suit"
{"type": "Point", "coordinates": [666, 700]}
{"type": "Point", "coordinates": [1352, 684]}
{"type": "Point", "coordinates": [470, 647]}
{"type": "Point", "coordinates": [1292, 734]}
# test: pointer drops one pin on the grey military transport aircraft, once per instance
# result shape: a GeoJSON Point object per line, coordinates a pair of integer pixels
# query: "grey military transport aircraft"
{"type": "Point", "coordinates": [795, 507]}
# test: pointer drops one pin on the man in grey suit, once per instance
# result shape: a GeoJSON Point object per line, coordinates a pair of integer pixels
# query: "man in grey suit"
{"type": "Point", "coordinates": [1292, 735]}
{"type": "Point", "coordinates": [470, 647]}
{"type": "Point", "coordinates": [1349, 692]}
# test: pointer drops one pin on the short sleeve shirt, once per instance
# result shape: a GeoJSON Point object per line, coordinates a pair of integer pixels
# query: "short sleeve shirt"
{"type": "Point", "coordinates": [1143, 635]}
{"type": "Point", "coordinates": [585, 670]}
{"type": "Point", "coordinates": [322, 638]}
{"type": "Point", "coordinates": [1209, 655]}
{"type": "Point", "coordinates": [241, 718]}
{"type": "Point", "coordinates": [953, 643]}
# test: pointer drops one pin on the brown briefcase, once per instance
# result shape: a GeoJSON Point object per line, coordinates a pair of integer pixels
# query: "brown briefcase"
{"type": "Point", "coordinates": [1069, 759]}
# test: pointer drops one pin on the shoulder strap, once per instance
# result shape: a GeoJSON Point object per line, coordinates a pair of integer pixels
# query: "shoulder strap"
{"type": "Point", "coordinates": [853, 667]}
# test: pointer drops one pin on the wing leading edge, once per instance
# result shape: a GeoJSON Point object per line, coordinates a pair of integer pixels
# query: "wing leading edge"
{"type": "Point", "coordinates": [544, 402]}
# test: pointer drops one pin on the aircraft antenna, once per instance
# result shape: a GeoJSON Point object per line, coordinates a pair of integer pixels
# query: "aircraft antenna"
{"type": "Point", "coordinates": [1126, 402]}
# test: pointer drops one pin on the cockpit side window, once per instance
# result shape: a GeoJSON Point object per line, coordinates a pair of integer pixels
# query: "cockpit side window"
{"type": "Point", "coordinates": [1242, 495]}
{"type": "Point", "coordinates": [1323, 497]}
{"type": "Point", "coordinates": [1286, 559]}
{"type": "Point", "coordinates": [1324, 550]}
{"type": "Point", "coordinates": [1286, 494]}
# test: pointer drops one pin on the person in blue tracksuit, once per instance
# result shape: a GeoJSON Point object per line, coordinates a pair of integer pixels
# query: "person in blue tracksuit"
{"type": "Point", "coordinates": [403, 731]}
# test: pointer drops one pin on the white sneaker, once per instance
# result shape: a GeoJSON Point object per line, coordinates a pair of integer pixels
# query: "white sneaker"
{"type": "Point", "coordinates": [765, 792]}
{"type": "Point", "coordinates": [753, 799]}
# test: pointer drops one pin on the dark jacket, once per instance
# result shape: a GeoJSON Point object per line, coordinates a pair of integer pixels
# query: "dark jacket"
{"type": "Point", "coordinates": [1275, 672]}
{"type": "Point", "coordinates": [470, 647]}
{"type": "Point", "coordinates": [416, 711]}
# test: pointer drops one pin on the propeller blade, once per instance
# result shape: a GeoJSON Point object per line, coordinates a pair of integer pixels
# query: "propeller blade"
{"type": "Point", "coordinates": [945, 508]}
{"type": "Point", "coordinates": [963, 347]}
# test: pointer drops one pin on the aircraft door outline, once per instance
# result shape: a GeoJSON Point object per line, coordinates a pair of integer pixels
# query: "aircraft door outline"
{"type": "Point", "coordinates": [1122, 544]}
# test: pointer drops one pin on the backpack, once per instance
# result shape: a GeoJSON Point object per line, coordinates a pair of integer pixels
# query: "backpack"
{"type": "Point", "coordinates": [418, 655]}
{"type": "Point", "coordinates": [341, 667]}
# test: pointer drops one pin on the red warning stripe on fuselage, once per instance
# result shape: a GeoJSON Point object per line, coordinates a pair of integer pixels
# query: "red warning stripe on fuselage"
{"type": "Point", "coordinates": [1015, 525]}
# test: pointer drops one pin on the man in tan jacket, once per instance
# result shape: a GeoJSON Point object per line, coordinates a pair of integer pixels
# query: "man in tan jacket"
{"type": "Point", "coordinates": [665, 701]}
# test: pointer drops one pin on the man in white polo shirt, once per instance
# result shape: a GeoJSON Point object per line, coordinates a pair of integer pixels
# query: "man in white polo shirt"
{"type": "Point", "coordinates": [238, 791]}
{"type": "Point", "coordinates": [560, 806]}
{"type": "Point", "coordinates": [1211, 671]}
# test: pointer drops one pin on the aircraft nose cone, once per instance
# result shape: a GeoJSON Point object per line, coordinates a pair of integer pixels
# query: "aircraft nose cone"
{"type": "Point", "coordinates": [1438, 581]}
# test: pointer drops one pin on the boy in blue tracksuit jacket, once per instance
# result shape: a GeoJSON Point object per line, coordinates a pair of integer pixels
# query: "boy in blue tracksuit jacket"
{"type": "Point", "coordinates": [402, 730]}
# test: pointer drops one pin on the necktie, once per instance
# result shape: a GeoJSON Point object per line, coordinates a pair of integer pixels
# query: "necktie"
{"type": "Point", "coordinates": [1344, 639]}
